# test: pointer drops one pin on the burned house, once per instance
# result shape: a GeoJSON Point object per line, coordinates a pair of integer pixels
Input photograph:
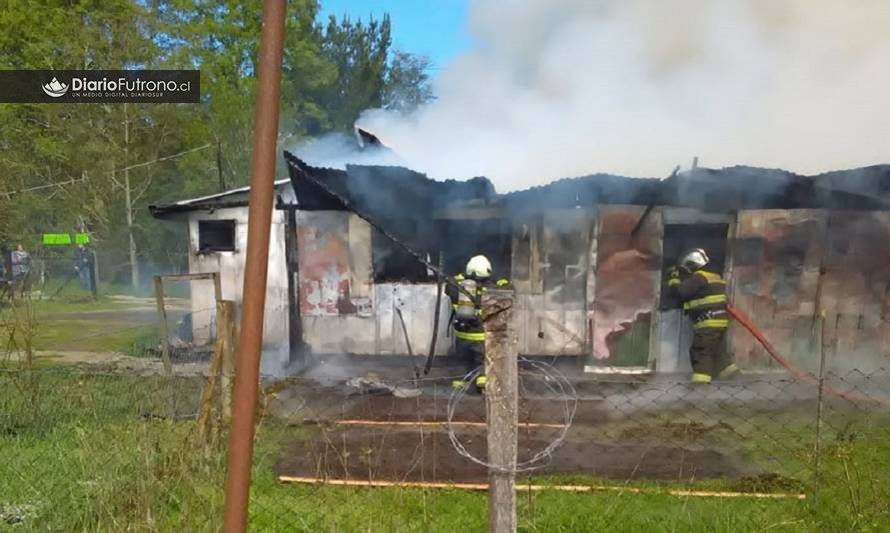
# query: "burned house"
{"type": "Point", "coordinates": [586, 255]}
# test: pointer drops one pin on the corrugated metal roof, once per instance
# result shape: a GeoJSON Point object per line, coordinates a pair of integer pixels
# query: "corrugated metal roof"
{"type": "Point", "coordinates": [223, 194]}
{"type": "Point", "coordinates": [211, 201]}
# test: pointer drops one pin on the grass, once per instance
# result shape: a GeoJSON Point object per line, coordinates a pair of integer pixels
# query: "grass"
{"type": "Point", "coordinates": [110, 452]}
{"type": "Point", "coordinates": [75, 322]}
{"type": "Point", "coordinates": [61, 288]}
{"type": "Point", "coordinates": [90, 335]}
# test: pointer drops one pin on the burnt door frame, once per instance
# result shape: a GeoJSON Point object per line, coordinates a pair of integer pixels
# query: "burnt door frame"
{"type": "Point", "coordinates": [296, 346]}
{"type": "Point", "coordinates": [672, 331]}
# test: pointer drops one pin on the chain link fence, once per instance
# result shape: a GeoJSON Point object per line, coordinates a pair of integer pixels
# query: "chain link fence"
{"type": "Point", "coordinates": [88, 448]}
{"type": "Point", "coordinates": [762, 451]}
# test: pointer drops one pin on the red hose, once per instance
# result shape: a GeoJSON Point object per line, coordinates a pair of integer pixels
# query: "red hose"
{"type": "Point", "coordinates": [802, 375]}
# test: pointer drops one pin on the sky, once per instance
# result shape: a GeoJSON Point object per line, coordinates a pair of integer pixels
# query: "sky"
{"type": "Point", "coordinates": [435, 28]}
{"type": "Point", "coordinates": [536, 90]}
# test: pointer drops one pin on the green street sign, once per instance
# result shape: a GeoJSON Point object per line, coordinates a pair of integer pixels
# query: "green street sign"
{"type": "Point", "coordinates": [82, 238]}
{"type": "Point", "coordinates": [56, 238]}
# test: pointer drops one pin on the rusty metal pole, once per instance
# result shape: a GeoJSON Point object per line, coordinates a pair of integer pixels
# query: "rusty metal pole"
{"type": "Point", "coordinates": [262, 177]}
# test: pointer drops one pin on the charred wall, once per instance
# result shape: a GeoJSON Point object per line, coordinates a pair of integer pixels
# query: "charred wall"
{"type": "Point", "coordinates": [790, 265]}
{"type": "Point", "coordinates": [628, 270]}
{"type": "Point", "coordinates": [585, 285]}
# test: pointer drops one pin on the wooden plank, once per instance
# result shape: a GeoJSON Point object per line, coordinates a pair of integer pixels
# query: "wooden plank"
{"type": "Point", "coordinates": [539, 488]}
{"type": "Point", "coordinates": [435, 423]}
{"type": "Point", "coordinates": [189, 277]}
{"type": "Point", "coordinates": [217, 287]}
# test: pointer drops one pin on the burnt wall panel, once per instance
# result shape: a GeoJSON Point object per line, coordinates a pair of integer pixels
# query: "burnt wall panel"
{"type": "Point", "coordinates": [566, 237]}
{"type": "Point", "coordinates": [811, 261]}
{"type": "Point", "coordinates": [627, 277]}
{"type": "Point", "coordinates": [323, 241]}
{"type": "Point", "coordinates": [775, 257]}
{"type": "Point", "coordinates": [360, 264]}
{"type": "Point", "coordinates": [550, 269]}
{"type": "Point", "coordinates": [857, 275]}
{"type": "Point", "coordinates": [526, 255]}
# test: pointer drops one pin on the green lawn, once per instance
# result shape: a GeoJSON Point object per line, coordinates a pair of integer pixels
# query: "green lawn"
{"type": "Point", "coordinates": [81, 325]}
{"type": "Point", "coordinates": [94, 452]}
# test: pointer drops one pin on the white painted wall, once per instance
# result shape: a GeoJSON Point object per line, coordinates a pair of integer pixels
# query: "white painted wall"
{"type": "Point", "coordinates": [230, 265]}
{"type": "Point", "coordinates": [381, 332]}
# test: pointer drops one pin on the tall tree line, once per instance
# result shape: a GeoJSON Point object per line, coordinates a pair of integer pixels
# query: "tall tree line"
{"type": "Point", "coordinates": [332, 71]}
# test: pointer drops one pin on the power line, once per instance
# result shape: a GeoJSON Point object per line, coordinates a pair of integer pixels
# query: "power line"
{"type": "Point", "coordinates": [163, 158]}
{"type": "Point", "coordinates": [85, 177]}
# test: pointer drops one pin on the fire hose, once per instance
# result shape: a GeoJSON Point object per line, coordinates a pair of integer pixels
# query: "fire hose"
{"type": "Point", "coordinates": [798, 373]}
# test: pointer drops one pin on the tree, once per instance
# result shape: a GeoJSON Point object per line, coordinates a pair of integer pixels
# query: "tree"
{"type": "Point", "coordinates": [62, 164]}
{"type": "Point", "coordinates": [407, 83]}
{"type": "Point", "coordinates": [359, 52]}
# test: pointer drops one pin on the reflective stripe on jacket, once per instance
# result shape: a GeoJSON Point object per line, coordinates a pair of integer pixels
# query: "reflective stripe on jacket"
{"type": "Point", "coordinates": [470, 329]}
{"type": "Point", "coordinates": [703, 295]}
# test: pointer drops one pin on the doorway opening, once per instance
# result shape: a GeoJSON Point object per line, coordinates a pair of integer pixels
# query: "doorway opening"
{"type": "Point", "coordinates": [675, 329]}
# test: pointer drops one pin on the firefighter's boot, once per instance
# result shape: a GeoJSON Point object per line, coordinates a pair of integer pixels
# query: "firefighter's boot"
{"type": "Point", "coordinates": [479, 384]}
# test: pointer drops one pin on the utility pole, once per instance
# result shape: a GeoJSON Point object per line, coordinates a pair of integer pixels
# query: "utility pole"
{"type": "Point", "coordinates": [502, 407]}
{"type": "Point", "coordinates": [134, 265]}
{"type": "Point", "coordinates": [219, 169]}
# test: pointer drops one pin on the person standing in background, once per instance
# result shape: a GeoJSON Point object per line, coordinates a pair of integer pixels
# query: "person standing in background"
{"type": "Point", "coordinates": [83, 264]}
{"type": "Point", "coordinates": [20, 262]}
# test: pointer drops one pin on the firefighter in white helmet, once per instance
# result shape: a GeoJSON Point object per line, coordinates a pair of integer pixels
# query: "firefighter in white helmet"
{"type": "Point", "coordinates": [703, 297]}
{"type": "Point", "coordinates": [469, 332]}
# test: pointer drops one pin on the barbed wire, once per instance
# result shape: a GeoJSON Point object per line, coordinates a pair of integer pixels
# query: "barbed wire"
{"type": "Point", "coordinates": [558, 386]}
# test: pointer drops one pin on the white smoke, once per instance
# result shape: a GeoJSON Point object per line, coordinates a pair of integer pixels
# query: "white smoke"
{"type": "Point", "coordinates": [335, 150]}
{"type": "Point", "coordinates": [556, 88]}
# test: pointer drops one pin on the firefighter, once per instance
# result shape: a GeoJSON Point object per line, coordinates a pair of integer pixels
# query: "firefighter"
{"type": "Point", "coordinates": [703, 296]}
{"type": "Point", "coordinates": [466, 316]}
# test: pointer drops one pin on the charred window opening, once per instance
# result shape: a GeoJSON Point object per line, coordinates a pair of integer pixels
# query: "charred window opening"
{"type": "Point", "coordinates": [526, 257]}
{"type": "Point", "coordinates": [216, 236]}
{"type": "Point", "coordinates": [391, 262]}
{"type": "Point", "coordinates": [461, 239]}
{"type": "Point", "coordinates": [679, 238]}
{"type": "Point", "coordinates": [457, 239]}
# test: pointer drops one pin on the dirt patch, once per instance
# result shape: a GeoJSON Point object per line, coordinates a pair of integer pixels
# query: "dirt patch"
{"type": "Point", "coordinates": [412, 455]}
{"type": "Point", "coordinates": [323, 405]}
{"type": "Point", "coordinates": [673, 431]}
{"type": "Point", "coordinates": [768, 483]}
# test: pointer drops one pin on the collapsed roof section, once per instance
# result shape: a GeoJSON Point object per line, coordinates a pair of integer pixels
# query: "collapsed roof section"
{"type": "Point", "coordinates": [742, 187]}
{"type": "Point", "coordinates": [381, 189]}
{"type": "Point", "coordinates": [400, 191]}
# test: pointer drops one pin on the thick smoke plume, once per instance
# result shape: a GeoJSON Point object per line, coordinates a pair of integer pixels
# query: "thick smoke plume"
{"type": "Point", "coordinates": [555, 88]}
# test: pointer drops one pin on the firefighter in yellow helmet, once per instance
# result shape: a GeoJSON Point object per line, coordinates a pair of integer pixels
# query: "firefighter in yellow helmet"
{"type": "Point", "coordinates": [703, 296]}
{"type": "Point", "coordinates": [469, 333]}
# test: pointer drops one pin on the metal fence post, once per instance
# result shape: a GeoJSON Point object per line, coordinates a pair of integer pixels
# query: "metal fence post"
{"type": "Point", "coordinates": [502, 408]}
{"type": "Point", "coordinates": [259, 223]}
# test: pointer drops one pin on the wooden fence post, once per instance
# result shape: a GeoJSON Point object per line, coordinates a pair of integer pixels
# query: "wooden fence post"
{"type": "Point", "coordinates": [226, 331]}
{"type": "Point", "coordinates": [225, 314]}
{"type": "Point", "coordinates": [502, 406]}
{"type": "Point", "coordinates": [162, 323]}
{"type": "Point", "coordinates": [217, 287]}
